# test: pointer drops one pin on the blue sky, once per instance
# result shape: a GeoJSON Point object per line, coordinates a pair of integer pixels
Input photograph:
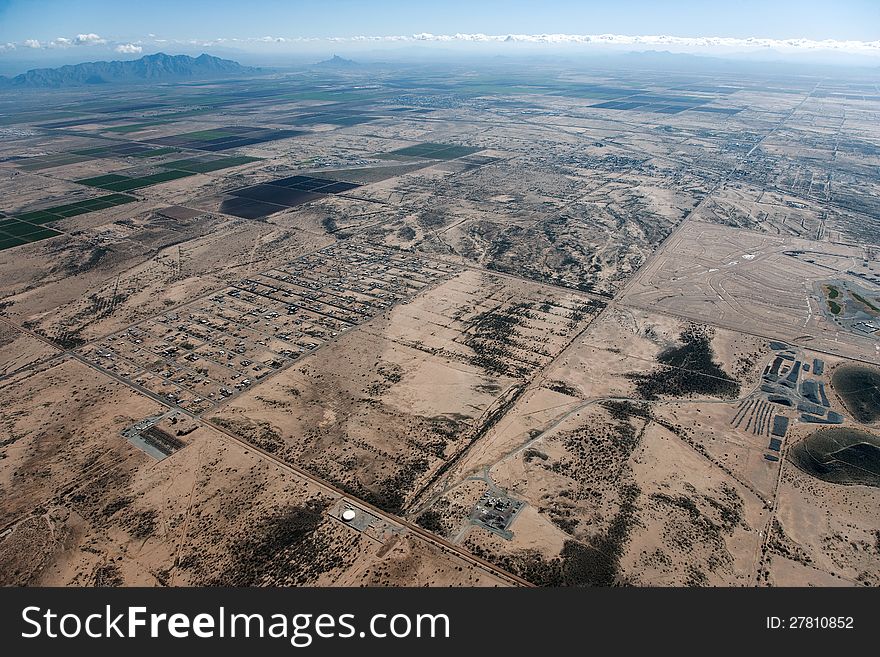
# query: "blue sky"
{"type": "Point", "coordinates": [38, 33]}
{"type": "Point", "coordinates": [122, 20]}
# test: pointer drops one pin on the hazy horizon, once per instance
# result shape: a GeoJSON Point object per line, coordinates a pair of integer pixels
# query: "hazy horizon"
{"type": "Point", "coordinates": [50, 33]}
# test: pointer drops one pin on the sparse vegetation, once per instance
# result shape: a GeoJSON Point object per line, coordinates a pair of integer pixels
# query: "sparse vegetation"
{"type": "Point", "coordinates": [285, 549]}
{"type": "Point", "coordinates": [687, 369]}
{"type": "Point", "coordinates": [198, 377]}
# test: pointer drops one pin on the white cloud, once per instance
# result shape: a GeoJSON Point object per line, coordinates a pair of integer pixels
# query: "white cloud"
{"type": "Point", "coordinates": [632, 40]}
{"type": "Point", "coordinates": [585, 40]}
{"type": "Point", "coordinates": [64, 42]}
{"type": "Point", "coordinates": [90, 39]}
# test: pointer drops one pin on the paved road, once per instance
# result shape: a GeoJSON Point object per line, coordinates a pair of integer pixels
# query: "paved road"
{"type": "Point", "coordinates": [425, 535]}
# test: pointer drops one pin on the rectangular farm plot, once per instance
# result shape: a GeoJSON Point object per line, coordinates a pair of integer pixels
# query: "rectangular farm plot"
{"type": "Point", "coordinates": [16, 233]}
{"type": "Point", "coordinates": [642, 106]}
{"type": "Point", "coordinates": [267, 198]}
{"type": "Point", "coordinates": [221, 139]}
{"type": "Point", "coordinates": [246, 208]}
{"type": "Point", "coordinates": [433, 151]}
{"type": "Point", "coordinates": [30, 226]}
{"type": "Point", "coordinates": [7, 242]}
{"type": "Point", "coordinates": [276, 195]}
{"type": "Point", "coordinates": [120, 182]}
{"type": "Point", "coordinates": [59, 212]}
{"type": "Point", "coordinates": [134, 127]}
{"type": "Point", "coordinates": [598, 91]}
{"type": "Point", "coordinates": [203, 165]}
{"type": "Point", "coordinates": [41, 162]}
{"type": "Point", "coordinates": [338, 118]}
{"type": "Point", "coordinates": [314, 184]}
{"type": "Point", "coordinates": [156, 152]}
{"type": "Point", "coordinates": [717, 110]}
{"type": "Point", "coordinates": [304, 183]}
{"type": "Point", "coordinates": [122, 149]}
{"type": "Point", "coordinates": [16, 228]}
{"type": "Point", "coordinates": [654, 102]}
{"type": "Point", "coordinates": [34, 117]}
{"type": "Point", "coordinates": [119, 149]}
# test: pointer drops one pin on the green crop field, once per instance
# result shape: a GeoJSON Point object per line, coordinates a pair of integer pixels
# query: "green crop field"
{"type": "Point", "coordinates": [72, 209]}
{"type": "Point", "coordinates": [199, 166]}
{"type": "Point", "coordinates": [118, 183]}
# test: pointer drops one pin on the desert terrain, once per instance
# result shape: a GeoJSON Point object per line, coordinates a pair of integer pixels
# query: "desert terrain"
{"type": "Point", "coordinates": [345, 327]}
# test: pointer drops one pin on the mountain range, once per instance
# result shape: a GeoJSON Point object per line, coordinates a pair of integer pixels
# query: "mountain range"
{"type": "Point", "coordinates": [150, 68]}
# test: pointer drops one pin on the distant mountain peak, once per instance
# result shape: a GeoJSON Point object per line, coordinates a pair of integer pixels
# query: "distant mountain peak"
{"type": "Point", "coordinates": [158, 67]}
{"type": "Point", "coordinates": [338, 62]}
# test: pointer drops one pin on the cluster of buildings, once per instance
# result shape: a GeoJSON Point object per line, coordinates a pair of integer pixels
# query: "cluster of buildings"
{"type": "Point", "coordinates": [215, 347]}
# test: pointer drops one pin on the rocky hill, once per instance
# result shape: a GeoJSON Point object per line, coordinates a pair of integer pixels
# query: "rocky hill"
{"type": "Point", "coordinates": [150, 68]}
